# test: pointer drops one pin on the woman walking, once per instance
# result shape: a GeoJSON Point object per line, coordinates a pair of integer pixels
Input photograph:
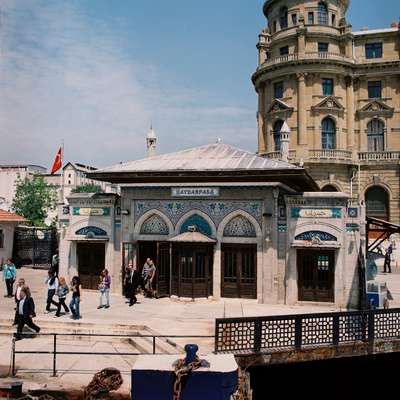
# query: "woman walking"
{"type": "Point", "coordinates": [9, 276]}
{"type": "Point", "coordinates": [104, 288]}
{"type": "Point", "coordinates": [17, 297]}
{"type": "Point", "coordinates": [76, 297]}
{"type": "Point", "coordinates": [52, 287]}
{"type": "Point", "coordinates": [26, 312]}
{"type": "Point", "coordinates": [62, 292]}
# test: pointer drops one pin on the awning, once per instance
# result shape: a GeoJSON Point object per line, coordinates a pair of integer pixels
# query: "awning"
{"type": "Point", "coordinates": [192, 237]}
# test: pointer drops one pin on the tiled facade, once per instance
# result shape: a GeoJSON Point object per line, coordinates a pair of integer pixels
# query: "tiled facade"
{"type": "Point", "coordinates": [338, 90]}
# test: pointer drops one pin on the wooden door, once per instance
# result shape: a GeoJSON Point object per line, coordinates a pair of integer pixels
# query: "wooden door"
{"type": "Point", "coordinates": [91, 261]}
{"type": "Point", "coordinates": [316, 272]}
{"type": "Point", "coordinates": [163, 269]}
{"type": "Point", "coordinates": [239, 271]}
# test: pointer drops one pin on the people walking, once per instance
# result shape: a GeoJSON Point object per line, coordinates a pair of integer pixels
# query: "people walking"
{"type": "Point", "coordinates": [145, 272]}
{"type": "Point", "coordinates": [388, 258]}
{"type": "Point", "coordinates": [17, 297]}
{"type": "Point", "coordinates": [62, 293]}
{"type": "Point", "coordinates": [132, 279]}
{"type": "Point", "coordinates": [149, 280]}
{"type": "Point", "coordinates": [52, 287]}
{"type": "Point", "coordinates": [9, 276]}
{"type": "Point", "coordinates": [26, 313]}
{"type": "Point", "coordinates": [76, 297]}
{"type": "Point", "coordinates": [104, 288]}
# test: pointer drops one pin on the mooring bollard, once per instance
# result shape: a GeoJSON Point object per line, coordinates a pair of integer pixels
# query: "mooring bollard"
{"type": "Point", "coordinates": [213, 377]}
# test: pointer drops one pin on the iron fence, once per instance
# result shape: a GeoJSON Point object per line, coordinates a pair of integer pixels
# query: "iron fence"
{"type": "Point", "coordinates": [55, 352]}
{"type": "Point", "coordinates": [273, 333]}
{"type": "Point", "coordinates": [34, 246]}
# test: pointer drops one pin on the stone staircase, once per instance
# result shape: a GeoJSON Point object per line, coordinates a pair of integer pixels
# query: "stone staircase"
{"type": "Point", "coordinates": [140, 340]}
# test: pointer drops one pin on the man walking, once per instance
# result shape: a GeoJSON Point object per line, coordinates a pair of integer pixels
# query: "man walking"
{"type": "Point", "coordinates": [131, 284]}
{"type": "Point", "coordinates": [388, 256]}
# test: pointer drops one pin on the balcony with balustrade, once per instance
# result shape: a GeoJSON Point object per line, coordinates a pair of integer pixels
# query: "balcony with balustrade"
{"type": "Point", "coordinates": [276, 155]}
{"type": "Point", "coordinates": [367, 157]}
{"type": "Point", "coordinates": [329, 155]}
{"type": "Point", "coordinates": [309, 56]}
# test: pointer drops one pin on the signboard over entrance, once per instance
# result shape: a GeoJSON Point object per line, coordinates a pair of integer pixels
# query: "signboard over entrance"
{"type": "Point", "coordinates": [195, 192]}
{"type": "Point", "coordinates": [93, 212]}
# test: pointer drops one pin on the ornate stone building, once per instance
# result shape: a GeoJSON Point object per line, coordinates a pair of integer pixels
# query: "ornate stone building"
{"type": "Point", "coordinates": [338, 91]}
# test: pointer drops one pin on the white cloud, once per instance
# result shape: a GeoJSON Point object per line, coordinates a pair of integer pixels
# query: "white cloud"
{"type": "Point", "coordinates": [64, 75]}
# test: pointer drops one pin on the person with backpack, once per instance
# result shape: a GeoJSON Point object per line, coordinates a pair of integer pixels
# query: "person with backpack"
{"type": "Point", "coordinates": [52, 287]}
{"type": "Point", "coordinates": [62, 293]}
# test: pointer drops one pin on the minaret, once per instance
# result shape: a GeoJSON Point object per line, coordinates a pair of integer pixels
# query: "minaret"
{"type": "Point", "coordinates": [285, 140]}
{"type": "Point", "coordinates": [151, 142]}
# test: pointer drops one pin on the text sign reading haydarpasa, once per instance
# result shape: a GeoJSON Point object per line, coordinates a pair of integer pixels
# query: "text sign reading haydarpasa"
{"type": "Point", "coordinates": [195, 192]}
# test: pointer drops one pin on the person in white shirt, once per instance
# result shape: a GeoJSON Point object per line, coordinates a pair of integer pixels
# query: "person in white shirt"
{"type": "Point", "coordinates": [52, 287]}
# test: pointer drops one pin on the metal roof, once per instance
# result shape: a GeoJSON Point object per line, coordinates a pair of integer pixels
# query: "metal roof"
{"type": "Point", "coordinates": [192, 237]}
{"type": "Point", "coordinates": [373, 31]}
{"type": "Point", "coordinates": [211, 157]}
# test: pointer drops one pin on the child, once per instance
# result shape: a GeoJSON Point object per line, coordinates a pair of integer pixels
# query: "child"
{"type": "Point", "coordinates": [62, 292]}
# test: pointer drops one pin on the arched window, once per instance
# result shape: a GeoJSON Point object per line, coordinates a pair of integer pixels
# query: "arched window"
{"type": "Point", "coordinates": [277, 134]}
{"type": "Point", "coordinates": [154, 225]}
{"type": "Point", "coordinates": [322, 13]}
{"type": "Point", "coordinates": [376, 135]}
{"type": "Point", "coordinates": [329, 188]}
{"type": "Point", "coordinates": [283, 17]}
{"type": "Point", "coordinates": [377, 203]}
{"type": "Point", "coordinates": [328, 134]}
{"type": "Point", "coordinates": [239, 227]}
{"type": "Point", "coordinates": [199, 222]}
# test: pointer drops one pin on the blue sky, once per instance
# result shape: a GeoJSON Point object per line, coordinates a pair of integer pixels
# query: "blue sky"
{"type": "Point", "coordinates": [96, 73]}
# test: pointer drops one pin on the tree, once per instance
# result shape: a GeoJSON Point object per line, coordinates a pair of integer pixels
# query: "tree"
{"type": "Point", "coordinates": [88, 188]}
{"type": "Point", "coordinates": [34, 198]}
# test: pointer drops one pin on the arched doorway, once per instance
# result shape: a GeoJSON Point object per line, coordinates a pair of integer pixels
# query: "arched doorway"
{"type": "Point", "coordinates": [377, 203]}
{"type": "Point", "coordinates": [329, 188]}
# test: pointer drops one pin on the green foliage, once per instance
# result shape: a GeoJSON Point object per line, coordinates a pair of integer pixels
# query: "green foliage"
{"type": "Point", "coordinates": [88, 188]}
{"type": "Point", "coordinates": [34, 198]}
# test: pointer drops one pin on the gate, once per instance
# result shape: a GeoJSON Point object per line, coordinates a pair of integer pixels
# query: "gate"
{"type": "Point", "coordinates": [34, 246]}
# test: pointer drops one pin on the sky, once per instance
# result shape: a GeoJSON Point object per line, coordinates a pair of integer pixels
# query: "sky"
{"type": "Point", "coordinates": [95, 74]}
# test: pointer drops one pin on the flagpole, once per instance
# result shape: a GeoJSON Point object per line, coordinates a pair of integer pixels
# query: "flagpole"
{"type": "Point", "coordinates": [62, 174]}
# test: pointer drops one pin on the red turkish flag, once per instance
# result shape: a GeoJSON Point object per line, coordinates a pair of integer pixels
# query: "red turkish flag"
{"type": "Point", "coordinates": [57, 162]}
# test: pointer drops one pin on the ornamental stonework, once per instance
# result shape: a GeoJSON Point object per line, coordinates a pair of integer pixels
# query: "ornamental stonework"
{"type": "Point", "coordinates": [216, 210]}
{"type": "Point", "coordinates": [154, 225]}
{"type": "Point", "coordinates": [239, 227]}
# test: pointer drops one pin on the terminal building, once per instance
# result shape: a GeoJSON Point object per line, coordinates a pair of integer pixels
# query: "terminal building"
{"type": "Point", "coordinates": [219, 222]}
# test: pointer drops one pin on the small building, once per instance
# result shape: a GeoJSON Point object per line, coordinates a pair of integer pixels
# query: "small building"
{"type": "Point", "coordinates": [223, 222]}
{"type": "Point", "coordinates": [8, 222]}
{"type": "Point", "coordinates": [90, 238]}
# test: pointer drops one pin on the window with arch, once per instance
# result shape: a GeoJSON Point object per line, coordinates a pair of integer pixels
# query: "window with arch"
{"type": "Point", "coordinates": [154, 225]}
{"type": "Point", "coordinates": [277, 135]}
{"type": "Point", "coordinates": [376, 135]}
{"type": "Point", "coordinates": [283, 18]}
{"type": "Point", "coordinates": [322, 13]}
{"type": "Point", "coordinates": [199, 222]}
{"type": "Point", "coordinates": [377, 203]}
{"type": "Point", "coordinates": [328, 133]}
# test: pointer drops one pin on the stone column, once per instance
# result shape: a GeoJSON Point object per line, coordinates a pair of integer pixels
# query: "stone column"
{"type": "Point", "coordinates": [217, 272]}
{"type": "Point", "coordinates": [350, 112]}
{"type": "Point", "coordinates": [262, 145]}
{"type": "Point", "coordinates": [301, 109]}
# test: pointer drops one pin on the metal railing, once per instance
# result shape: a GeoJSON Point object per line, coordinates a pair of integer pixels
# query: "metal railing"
{"type": "Point", "coordinates": [294, 332]}
{"type": "Point", "coordinates": [379, 156]}
{"type": "Point", "coordinates": [330, 154]}
{"type": "Point", "coordinates": [55, 352]}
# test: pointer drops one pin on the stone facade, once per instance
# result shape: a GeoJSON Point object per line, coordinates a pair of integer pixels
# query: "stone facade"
{"type": "Point", "coordinates": [338, 90]}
